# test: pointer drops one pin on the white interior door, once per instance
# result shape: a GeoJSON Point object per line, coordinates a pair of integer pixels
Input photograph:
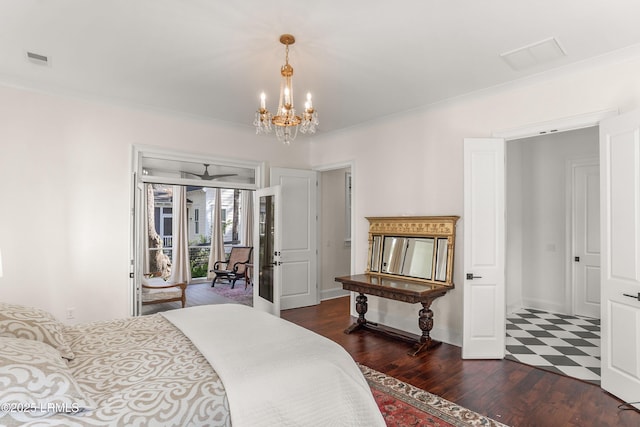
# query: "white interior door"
{"type": "Point", "coordinates": [620, 246]}
{"type": "Point", "coordinates": [586, 239]}
{"type": "Point", "coordinates": [299, 235]}
{"type": "Point", "coordinates": [484, 248]}
{"type": "Point", "coordinates": [266, 259]}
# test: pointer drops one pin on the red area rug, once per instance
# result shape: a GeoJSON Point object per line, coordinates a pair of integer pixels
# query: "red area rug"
{"type": "Point", "coordinates": [404, 405]}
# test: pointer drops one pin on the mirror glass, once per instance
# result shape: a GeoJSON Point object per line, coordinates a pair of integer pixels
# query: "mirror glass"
{"type": "Point", "coordinates": [418, 260]}
{"type": "Point", "coordinates": [419, 249]}
{"type": "Point", "coordinates": [394, 250]}
{"type": "Point", "coordinates": [441, 260]}
{"type": "Point", "coordinates": [408, 256]}
{"type": "Point", "coordinates": [375, 253]}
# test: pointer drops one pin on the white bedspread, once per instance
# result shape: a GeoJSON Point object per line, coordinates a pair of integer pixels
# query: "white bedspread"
{"type": "Point", "coordinates": [277, 373]}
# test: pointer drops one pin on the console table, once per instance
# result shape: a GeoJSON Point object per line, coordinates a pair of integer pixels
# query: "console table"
{"type": "Point", "coordinates": [411, 260]}
{"type": "Point", "coordinates": [399, 290]}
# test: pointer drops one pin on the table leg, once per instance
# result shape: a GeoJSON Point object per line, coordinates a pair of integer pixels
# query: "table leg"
{"type": "Point", "coordinates": [361, 309]}
{"type": "Point", "coordinates": [425, 322]}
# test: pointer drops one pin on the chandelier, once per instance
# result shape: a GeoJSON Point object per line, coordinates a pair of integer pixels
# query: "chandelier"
{"type": "Point", "coordinates": [285, 121]}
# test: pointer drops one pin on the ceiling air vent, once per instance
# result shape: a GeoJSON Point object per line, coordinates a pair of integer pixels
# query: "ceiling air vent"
{"type": "Point", "coordinates": [535, 54]}
{"type": "Point", "coordinates": [36, 58]}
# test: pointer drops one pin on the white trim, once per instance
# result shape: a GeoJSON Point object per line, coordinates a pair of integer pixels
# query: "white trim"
{"type": "Point", "coordinates": [562, 124]}
{"type": "Point", "coordinates": [555, 126]}
{"type": "Point", "coordinates": [569, 235]}
{"type": "Point", "coordinates": [333, 293]}
{"type": "Point", "coordinates": [542, 304]}
{"type": "Point", "coordinates": [140, 151]}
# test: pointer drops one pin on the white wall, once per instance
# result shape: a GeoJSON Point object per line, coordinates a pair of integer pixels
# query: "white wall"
{"type": "Point", "coordinates": [65, 168]}
{"type": "Point", "coordinates": [71, 247]}
{"type": "Point", "coordinates": [335, 252]}
{"type": "Point", "coordinates": [537, 215]}
{"type": "Point", "coordinates": [412, 163]}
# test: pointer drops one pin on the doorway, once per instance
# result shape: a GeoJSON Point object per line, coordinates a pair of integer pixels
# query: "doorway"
{"type": "Point", "coordinates": [196, 176]}
{"type": "Point", "coordinates": [552, 234]}
{"type": "Point", "coordinates": [540, 244]}
{"type": "Point", "coordinates": [203, 207]}
{"type": "Point", "coordinates": [335, 224]}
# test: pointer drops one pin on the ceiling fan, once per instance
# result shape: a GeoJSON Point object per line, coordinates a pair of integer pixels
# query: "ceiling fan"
{"type": "Point", "coordinates": [206, 177]}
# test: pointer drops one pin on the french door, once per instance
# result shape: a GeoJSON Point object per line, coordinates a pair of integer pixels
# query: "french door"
{"type": "Point", "coordinates": [620, 247]}
{"type": "Point", "coordinates": [267, 281]}
{"type": "Point", "coordinates": [287, 255]}
{"type": "Point", "coordinates": [298, 251]}
{"type": "Point", "coordinates": [484, 249]}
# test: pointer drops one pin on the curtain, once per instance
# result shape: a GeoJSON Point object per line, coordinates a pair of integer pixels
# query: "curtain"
{"type": "Point", "coordinates": [181, 267]}
{"type": "Point", "coordinates": [217, 243]}
{"type": "Point", "coordinates": [247, 217]}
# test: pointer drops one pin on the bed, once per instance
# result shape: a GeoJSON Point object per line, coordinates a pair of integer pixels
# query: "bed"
{"type": "Point", "coordinates": [215, 365]}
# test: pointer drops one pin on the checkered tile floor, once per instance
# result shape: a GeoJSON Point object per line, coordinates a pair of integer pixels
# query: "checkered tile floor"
{"type": "Point", "coordinates": [567, 345]}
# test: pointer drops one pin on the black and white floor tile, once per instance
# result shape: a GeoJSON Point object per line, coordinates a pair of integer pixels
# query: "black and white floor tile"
{"type": "Point", "coordinates": [567, 345]}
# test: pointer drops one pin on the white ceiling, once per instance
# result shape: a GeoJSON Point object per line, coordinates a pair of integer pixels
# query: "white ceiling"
{"type": "Point", "coordinates": [361, 59]}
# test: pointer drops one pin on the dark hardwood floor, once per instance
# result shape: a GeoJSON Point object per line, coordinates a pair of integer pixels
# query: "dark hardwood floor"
{"type": "Point", "coordinates": [507, 391]}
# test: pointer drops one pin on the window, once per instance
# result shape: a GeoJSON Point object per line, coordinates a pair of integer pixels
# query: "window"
{"type": "Point", "coordinates": [164, 224]}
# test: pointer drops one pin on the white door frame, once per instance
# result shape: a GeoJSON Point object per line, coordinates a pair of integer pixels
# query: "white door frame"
{"type": "Point", "coordinates": [559, 125]}
{"type": "Point", "coordinates": [354, 239]}
{"type": "Point", "coordinates": [138, 152]}
{"type": "Point", "coordinates": [564, 124]}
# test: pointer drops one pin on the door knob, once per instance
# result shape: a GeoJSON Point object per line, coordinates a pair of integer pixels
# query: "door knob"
{"type": "Point", "coordinates": [470, 276]}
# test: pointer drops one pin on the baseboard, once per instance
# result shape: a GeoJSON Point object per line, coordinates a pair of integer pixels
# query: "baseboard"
{"type": "Point", "coordinates": [548, 306]}
{"type": "Point", "coordinates": [332, 293]}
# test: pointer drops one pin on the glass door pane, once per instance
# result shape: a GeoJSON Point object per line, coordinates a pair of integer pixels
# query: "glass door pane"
{"type": "Point", "coordinates": [266, 256]}
{"type": "Point", "coordinates": [267, 287]}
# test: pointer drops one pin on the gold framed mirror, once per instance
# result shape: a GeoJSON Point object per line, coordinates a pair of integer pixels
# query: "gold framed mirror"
{"type": "Point", "coordinates": [416, 248]}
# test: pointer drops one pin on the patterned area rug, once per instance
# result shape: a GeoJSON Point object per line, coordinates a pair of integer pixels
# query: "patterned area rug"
{"type": "Point", "coordinates": [404, 405]}
{"type": "Point", "coordinates": [238, 294]}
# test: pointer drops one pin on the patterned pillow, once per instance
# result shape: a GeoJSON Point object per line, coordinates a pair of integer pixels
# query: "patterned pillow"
{"type": "Point", "coordinates": [34, 324]}
{"type": "Point", "coordinates": [35, 382]}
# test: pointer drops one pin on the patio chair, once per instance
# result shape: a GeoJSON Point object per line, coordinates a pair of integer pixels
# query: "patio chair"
{"type": "Point", "coordinates": [233, 268]}
{"type": "Point", "coordinates": [155, 290]}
